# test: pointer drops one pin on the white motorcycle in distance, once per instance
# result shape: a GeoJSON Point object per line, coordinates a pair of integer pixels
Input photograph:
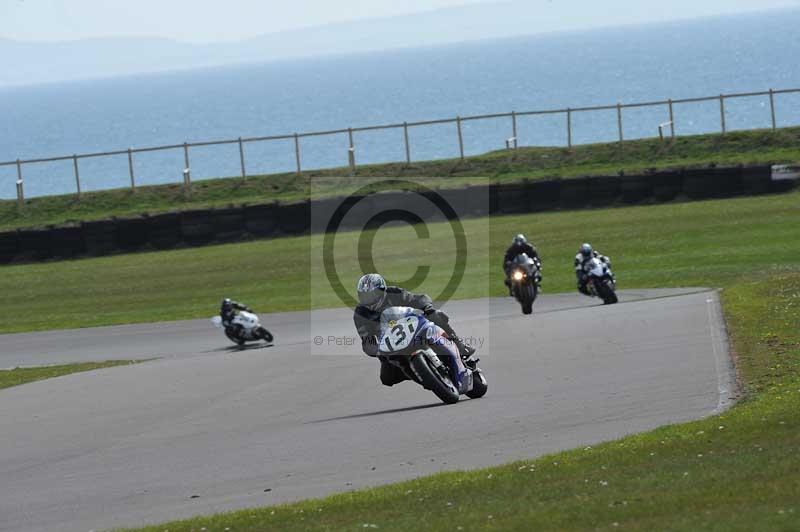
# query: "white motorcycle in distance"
{"type": "Point", "coordinates": [600, 281]}
{"type": "Point", "coordinates": [252, 330]}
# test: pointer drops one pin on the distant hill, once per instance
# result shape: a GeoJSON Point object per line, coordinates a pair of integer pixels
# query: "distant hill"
{"type": "Point", "coordinates": [28, 63]}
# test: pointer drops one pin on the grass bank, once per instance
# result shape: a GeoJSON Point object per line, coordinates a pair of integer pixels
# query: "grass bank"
{"type": "Point", "coordinates": [709, 243]}
{"type": "Point", "coordinates": [734, 472]}
{"type": "Point", "coordinates": [19, 376]}
{"type": "Point", "coordinates": [749, 147]}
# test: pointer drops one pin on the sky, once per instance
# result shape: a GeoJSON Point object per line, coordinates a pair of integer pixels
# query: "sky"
{"type": "Point", "coordinates": [229, 20]}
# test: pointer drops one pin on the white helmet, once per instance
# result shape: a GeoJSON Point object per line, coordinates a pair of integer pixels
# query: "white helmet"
{"type": "Point", "coordinates": [371, 290]}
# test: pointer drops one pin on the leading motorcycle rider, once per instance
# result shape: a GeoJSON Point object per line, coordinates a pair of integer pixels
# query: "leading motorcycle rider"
{"type": "Point", "coordinates": [519, 245]}
{"type": "Point", "coordinates": [228, 312]}
{"type": "Point", "coordinates": [585, 254]}
{"type": "Point", "coordinates": [374, 297]}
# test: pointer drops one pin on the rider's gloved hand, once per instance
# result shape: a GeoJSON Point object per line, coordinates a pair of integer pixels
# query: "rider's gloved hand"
{"type": "Point", "coordinates": [436, 315]}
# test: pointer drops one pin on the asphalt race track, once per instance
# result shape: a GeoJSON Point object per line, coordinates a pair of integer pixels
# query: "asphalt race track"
{"type": "Point", "coordinates": [207, 428]}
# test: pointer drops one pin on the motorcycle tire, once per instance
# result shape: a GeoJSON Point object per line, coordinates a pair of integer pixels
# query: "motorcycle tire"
{"type": "Point", "coordinates": [529, 296]}
{"type": "Point", "coordinates": [433, 381]}
{"type": "Point", "coordinates": [265, 335]}
{"type": "Point", "coordinates": [607, 294]}
{"type": "Point", "coordinates": [234, 339]}
{"type": "Point", "coordinates": [479, 385]}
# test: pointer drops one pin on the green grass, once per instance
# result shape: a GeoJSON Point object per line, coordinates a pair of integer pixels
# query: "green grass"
{"type": "Point", "coordinates": [782, 146]}
{"type": "Point", "coordinates": [738, 471]}
{"type": "Point", "coordinates": [709, 243]}
{"type": "Point", "coordinates": [19, 376]}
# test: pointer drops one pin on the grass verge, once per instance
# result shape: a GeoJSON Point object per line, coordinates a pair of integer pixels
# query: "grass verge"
{"type": "Point", "coordinates": [734, 472]}
{"type": "Point", "coordinates": [709, 243]}
{"type": "Point", "coordinates": [747, 147]}
{"type": "Point", "coordinates": [19, 376]}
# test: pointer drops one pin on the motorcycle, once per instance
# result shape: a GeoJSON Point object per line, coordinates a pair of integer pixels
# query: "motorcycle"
{"type": "Point", "coordinates": [422, 350]}
{"type": "Point", "coordinates": [250, 328]}
{"type": "Point", "coordinates": [525, 281]}
{"type": "Point", "coordinates": [600, 282]}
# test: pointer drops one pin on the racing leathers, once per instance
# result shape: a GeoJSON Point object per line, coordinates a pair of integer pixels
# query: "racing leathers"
{"type": "Point", "coordinates": [367, 322]}
{"type": "Point", "coordinates": [228, 313]}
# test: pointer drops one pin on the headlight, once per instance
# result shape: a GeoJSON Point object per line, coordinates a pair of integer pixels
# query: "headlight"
{"type": "Point", "coordinates": [518, 275]}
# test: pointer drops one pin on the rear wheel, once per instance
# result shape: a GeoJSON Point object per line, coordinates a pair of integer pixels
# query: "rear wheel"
{"type": "Point", "coordinates": [434, 381]}
{"type": "Point", "coordinates": [233, 338]}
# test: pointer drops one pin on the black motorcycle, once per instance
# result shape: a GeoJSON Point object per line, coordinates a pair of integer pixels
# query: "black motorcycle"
{"type": "Point", "coordinates": [525, 277]}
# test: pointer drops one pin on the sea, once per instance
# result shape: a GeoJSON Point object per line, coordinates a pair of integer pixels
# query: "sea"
{"type": "Point", "coordinates": [696, 58]}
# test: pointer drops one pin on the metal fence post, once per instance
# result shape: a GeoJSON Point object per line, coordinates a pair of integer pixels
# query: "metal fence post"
{"type": "Point", "coordinates": [351, 151]}
{"type": "Point", "coordinates": [514, 128]}
{"type": "Point", "coordinates": [569, 129]}
{"type": "Point", "coordinates": [77, 174]}
{"type": "Point", "coordinates": [297, 152]}
{"type": "Point", "coordinates": [671, 119]}
{"type": "Point", "coordinates": [722, 113]}
{"type": "Point", "coordinates": [241, 158]}
{"type": "Point", "coordinates": [408, 146]}
{"type": "Point", "coordinates": [619, 124]}
{"type": "Point", "coordinates": [772, 109]}
{"type": "Point", "coordinates": [186, 166]}
{"type": "Point", "coordinates": [130, 169]}
{"type": "Point", "coordinates": [460, 138]}
{"type": "Point", "coordinates": [187, 170]}
{"type": "Point", "coordinates": [20, 187]}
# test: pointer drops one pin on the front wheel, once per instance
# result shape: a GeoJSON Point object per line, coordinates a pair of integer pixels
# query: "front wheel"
{"type": "Point", "coordinates": [479, 385]}
{"type": "Point", "coordinates": [607, 294]}
{"type": "Point", "coordinates": [528, 297]}
{"type": "Point", "coordinates": [433, 380]}
{"type": "Point", "coordinates": [265, 335]}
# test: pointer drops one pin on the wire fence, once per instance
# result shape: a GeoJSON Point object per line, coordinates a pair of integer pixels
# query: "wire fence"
{"type": "Point", "coordinates": [665, 129]}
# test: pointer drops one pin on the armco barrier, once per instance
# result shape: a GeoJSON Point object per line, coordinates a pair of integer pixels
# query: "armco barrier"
{"type": "Point", "coordinates": [635, 188]}
{"type": "Point", "coordinates": [196, 227]}
{"type": "Point", "coordinates": [34, 244]}
{"type": "Point", "coordinates": [575, 193]}
{"type": "Point", "coordinates": [603, 190]}
{"type": "Point", "coordinates": [664, 186]}
{"type": "Point", "coordinates": [228, 224]}
{"type": "Point", "coordinates": [295, 218]}
{"type": "Point", "coordinates": [262, 220]}
{"type": "Point", "coordinates": [131, 233]}
{"type": "Point", "coordinates": [757, 179]}
{"type": "Point", "coordinates": [164, 230]}
{"type": "Point", "coordinates": [511, 199]}
{"type": "Point", "coordinates": [66, 242]}
{"type": "Point", "coordinates": [206, 226]}
{"type": "Point", "coordinates": [99, 238]}
{"type": "Point", "coordinates": [544, 195]}
{"type": "Point", "coordinates": [9, 246]}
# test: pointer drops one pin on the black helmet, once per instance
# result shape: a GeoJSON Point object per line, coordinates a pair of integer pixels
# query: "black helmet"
{"type": "Point", "coordinates": [520, 240]}
{"type": "Point", "coordinates": [371, 290]}
{"type": "Point", "coordinates": [586, 251]}
{"type": "Point", "coordinates": [227, 304]}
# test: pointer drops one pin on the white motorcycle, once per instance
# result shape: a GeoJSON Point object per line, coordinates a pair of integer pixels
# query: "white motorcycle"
{"type": "Point", "coordinates": [601, 281]}
{"type": "Point", "coordinates": [249, 327]}
{"type": "Point", "coordinates": [424, 353]}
